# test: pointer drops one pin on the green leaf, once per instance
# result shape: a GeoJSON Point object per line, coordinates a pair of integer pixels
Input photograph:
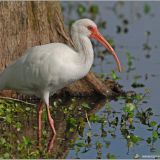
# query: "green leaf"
{"type": "Point", "coordinates": [153, 123]}
{"type": "Point", "coordinates": [85, 106]}
{"type": "Point", "coordinates": [111, 42]}
{"type": "Point", "coordinates": [110, 156]}
{"type": "Point", "coordinates": [72, 122]}
{"type": "Point", "coordinates": [147, 8]}
{"type": "Point", "coordinates": [94, 118]}
{"type": "Point", "coordinates": [98, 145]}
{"type": "Point", "coordinates": [119, 29]}
{"type": "Point", "coordinates": [20, 147]}
{"type": "Point", "coordinates": [129, 107]}
{"type": "Point", "coordinates": [26, 140]}
{"type": "Point", "coordinates": [155, 134]}
{"type": "Point", "coordinates": [18, 126]}
{"type": "Point", "coordinates": [114, 76]}
{"type": "Point", "coordinates": [6, 155]}
{"type": "Point", "coordinates": [136, 77]}
{"type": "Point", "coordinates": [108, 106]}
{"type": "Point", "coordinates": [94, 9]}
{"type": "Point", "coordinates": [130, 59]}
{"type": "Point", "coordinates": [80, 144]}
{"type": "Point", "coordinates": [148, 140]}
{"type": "Point", "coordinates": [2, 141]}
{"type": "Point", "coordinates": [137, 85]}
{"type": "Point", "coordinates": [135, 139]}
{"type": "Point", "coordinates": [8, 118]}
{"type": "Point", "coordinates": [81, 9]}
{"type": "Point", "coordinates": [138, 97]}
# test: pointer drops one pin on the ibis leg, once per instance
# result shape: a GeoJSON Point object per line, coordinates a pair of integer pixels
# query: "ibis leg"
{"type": "Point", "coordinates": [40, 121]}
{"type": "Point", "coordinates": [50, 143]}
{"type": "Point", "coordinates": [50, 120]}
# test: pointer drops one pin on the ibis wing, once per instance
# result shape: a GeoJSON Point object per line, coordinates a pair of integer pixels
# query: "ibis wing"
{"type": "Point", "coordinates": [41, 67]}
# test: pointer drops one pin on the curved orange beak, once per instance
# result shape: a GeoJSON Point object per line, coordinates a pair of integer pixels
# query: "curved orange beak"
{"type": "Point", "coordinates": [97, 35]}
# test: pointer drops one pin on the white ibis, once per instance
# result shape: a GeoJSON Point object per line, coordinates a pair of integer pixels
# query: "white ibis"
{"type": "Point", "coordinates": [47, 68]}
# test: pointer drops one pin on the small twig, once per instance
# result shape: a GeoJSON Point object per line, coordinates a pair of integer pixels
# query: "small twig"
{"type": "Point", "coordinates": [8, 98]}
{"type": "Point", "coordinates": [89, 124]}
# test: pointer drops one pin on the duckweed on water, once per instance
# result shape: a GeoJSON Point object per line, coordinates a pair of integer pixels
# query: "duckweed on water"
{"type": "Point", "coordinates": [18, 141]}
{"type": "Point", "coordinates": [18, 136]}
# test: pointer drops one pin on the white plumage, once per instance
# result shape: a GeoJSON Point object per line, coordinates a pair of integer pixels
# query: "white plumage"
{"type": "Point", "coordinates": [44, 68]}
{"type": "Point", "coordinates": [47, 68]}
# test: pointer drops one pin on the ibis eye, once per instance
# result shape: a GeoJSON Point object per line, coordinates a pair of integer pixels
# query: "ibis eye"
{"type": "Point", "coordinates": [90, 28]}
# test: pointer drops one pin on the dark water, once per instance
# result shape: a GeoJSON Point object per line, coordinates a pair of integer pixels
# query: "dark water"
{"type": "Point", "coordinates": [133, 29]}
{"type": "Point", "coordinates": [141, 41]}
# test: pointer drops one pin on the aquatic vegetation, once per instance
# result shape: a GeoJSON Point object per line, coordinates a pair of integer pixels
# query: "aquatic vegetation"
{"type": "Point", "coordinates": [95, 128]}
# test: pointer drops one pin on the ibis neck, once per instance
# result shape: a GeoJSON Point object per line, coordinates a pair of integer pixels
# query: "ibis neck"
{"type": "Point", "coordinates": [84, 48]}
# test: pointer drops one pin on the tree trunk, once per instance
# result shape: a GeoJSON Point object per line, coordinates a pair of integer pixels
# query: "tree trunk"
{"type": "Point", "coordinates": [28, 23]}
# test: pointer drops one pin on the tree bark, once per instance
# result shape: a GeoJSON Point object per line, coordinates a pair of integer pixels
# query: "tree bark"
{"type": "Point", "coordinates": [28, 23]}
